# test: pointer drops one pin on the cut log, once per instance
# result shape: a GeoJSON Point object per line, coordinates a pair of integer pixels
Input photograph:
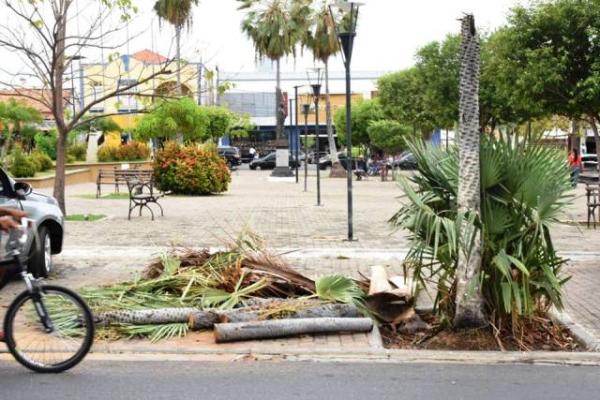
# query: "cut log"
{"type": "Point", "coordinates": [203, 320]}
{"type": "Point", "coordinates": [272, 329]}
{"type": "Point", "coordinates": [322, 311]}
{"type": "Point", "coordinates": [145, 317]}
{"type": "Point", "coordinates": [379, 280]}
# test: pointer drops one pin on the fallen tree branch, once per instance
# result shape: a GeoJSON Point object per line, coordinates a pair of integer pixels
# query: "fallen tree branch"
{"type": "Point", "coordinates": [232, 332]}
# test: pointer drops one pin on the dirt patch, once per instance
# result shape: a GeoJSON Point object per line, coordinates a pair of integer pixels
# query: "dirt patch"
{"type": "Point", "coordinates": [540, 334]}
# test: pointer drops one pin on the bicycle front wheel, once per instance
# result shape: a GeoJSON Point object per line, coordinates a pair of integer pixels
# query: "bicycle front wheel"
{"type": "Point", "coordinates": [62, 343]}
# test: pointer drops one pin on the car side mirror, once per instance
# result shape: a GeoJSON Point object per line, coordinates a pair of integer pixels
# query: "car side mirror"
{"type": "Point", "coordinates": [23, 189]}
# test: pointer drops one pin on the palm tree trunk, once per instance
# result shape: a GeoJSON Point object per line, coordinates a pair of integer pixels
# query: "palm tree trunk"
{"type": "Point", "coordinates": [178, 45]}
{"type": "Point", "coordinates": [179, 136]}
{"type": "Point", "coordinates": [469, 301]}
{"type": "Point", "coordinates": [337, 171]}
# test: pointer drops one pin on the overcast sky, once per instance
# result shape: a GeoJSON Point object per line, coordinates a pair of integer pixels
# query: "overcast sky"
{"type": "Point", "coordinates": [390, 32]}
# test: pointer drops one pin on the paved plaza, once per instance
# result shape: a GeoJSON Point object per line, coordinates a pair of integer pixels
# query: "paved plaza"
{"type": "Point", "coordinates": [311, 237]}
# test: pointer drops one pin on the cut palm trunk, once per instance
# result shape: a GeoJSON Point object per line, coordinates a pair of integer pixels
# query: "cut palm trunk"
{"type": "Point", "coordinates": [388, 304]}
{"type": "Point", "coordinates": [469, 301]}
{"type": "Point", "coordinates": [203, 320]}
{"type": "Point", "coordinates": [147, 317]}
{"type": "Point", "coordinates": [233, 332]}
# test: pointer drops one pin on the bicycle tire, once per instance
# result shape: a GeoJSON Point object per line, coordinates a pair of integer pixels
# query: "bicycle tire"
{"type": "Point", "coordinates": [61, 366]}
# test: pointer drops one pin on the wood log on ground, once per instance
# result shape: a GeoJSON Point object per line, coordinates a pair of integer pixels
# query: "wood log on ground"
{"type": "Point", "coordinates": [379, 280]}
{"type": "Point", "coordinates": [232, 332]}
{"type": "Point", "coordinates": [388, 304]}
{"type": "Point", "coordinates": [150, 317]}
{"type": "Point", "coordinates": [288, 310]}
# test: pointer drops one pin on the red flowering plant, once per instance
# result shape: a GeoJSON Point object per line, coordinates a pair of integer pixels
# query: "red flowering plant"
{"type": "Point", "coordinates": [191, 170]}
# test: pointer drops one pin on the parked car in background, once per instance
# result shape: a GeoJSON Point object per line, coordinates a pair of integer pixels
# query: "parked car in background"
{"type": "Point", "coordinates": [357, 163]}
{"type": "Point", "coordinates": [48, 220]}
{"type": "Point", "coordinates": [231, 155]}
{"type": "Point", "coordinates": [589, 161]}
{"type": "Point", "coordinates": [245, 156]}
{"type": "Point", "coordinates": [269, 162]}
{"type": "Point", "coordinates": [407, 162]}
{"type": "Point", "coordinates": [314, 156]}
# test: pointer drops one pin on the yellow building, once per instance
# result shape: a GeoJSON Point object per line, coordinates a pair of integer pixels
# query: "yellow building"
{"type": "Point", "coordinates": [338, 100]}
{"type": "Point", "coordinates": [102, 78]}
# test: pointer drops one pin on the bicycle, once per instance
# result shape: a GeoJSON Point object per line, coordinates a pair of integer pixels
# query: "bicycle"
{"type": "Point", "coordinates": [47, 328]}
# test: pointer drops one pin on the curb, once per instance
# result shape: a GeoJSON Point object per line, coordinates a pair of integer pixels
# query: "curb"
{"type": "Point", "coordinates": [579, 332]}
{"type": "Point", "coordinates": [380, 356]}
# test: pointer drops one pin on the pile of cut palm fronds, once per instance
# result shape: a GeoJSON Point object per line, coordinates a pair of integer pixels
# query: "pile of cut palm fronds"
{"type": "Point", "coordinates": [190, 289]}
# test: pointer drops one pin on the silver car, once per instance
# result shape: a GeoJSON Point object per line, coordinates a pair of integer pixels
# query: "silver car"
{"type": "Point", "coordinates": [48, 221]}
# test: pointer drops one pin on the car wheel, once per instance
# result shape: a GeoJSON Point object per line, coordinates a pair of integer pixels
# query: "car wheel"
{"type": "Point", "coordinates": [40, 255]}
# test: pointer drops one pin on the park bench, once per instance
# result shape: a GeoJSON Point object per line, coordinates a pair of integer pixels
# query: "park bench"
{"type": "Point", "coordinates": [593, 202]}
{"type": "Point", "coordinates": [142, 194]}
{"type": "Point", "coordinates": [119, 177]}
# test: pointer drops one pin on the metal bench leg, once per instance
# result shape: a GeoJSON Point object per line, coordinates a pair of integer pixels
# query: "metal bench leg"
{"type": "Point", "coordinates": [162, 213]}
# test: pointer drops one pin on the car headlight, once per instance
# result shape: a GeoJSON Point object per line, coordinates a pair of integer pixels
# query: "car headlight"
{"type": "Point", "coordinates": [52, 200]}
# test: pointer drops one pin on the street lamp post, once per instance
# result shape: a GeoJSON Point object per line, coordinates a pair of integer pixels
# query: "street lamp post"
{"type": "Point", "coordinates": [317, 93]}
{"type": "Point", "coordinates": [346, 32]}
{"type": "Point", "coordinates": [305, 111]}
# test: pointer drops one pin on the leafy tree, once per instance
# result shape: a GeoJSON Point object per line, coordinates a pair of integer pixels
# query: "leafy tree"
{"type": "Point", "coordinates": [438, 66]}
{"type": "Point", "coordinates": [402, 98]}
{"type": "Point", "coordinates": [223, 122]}
{"type": "Point", "coordinates": [323, 43]}
{"type": "Point", "coordinates": [41, 34]}
{"type": "Point", "coordinates": [388, 135]}
{"type": "Point", "coordinates": [13, 117]}
{"type": "Point", "coordinates": [170, 118]}
{"type": "Point", "coordinates": [362, 115]}
{"type": "Point", "coordinates": [105, 124]}
{"type": "Point", "coordinates": [276, 27]}
{"type": "Point", "coordinates": [554, 47]}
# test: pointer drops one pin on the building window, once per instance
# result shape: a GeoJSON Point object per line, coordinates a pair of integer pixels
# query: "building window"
{"type": "Point", "coordinates": [97, 92]}
{"type": "Point", "coordinates": [127, 102]}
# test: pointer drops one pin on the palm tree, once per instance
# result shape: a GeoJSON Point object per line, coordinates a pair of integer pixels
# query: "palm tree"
{"type": "Point", "coordinates": [324, 44]}
{"type": "Point", "coordinates": [469, 301]}
{"type": "Point", "coordinates": [276, 27]}
{"type": "Point", "coordinates": [179, 14]}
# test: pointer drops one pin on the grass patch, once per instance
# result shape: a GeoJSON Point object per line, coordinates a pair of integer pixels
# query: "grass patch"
{"type": "Point", "coordinates": [85, 217]}
{"type": "Point", "coordinates": [109, 196]}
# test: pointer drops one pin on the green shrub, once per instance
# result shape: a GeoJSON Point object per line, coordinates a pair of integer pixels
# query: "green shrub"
{"type": "Point", "coordinates": [191, 170]}
{"type": "Point", "coordinates": [46, 143]}
{"type": "Point", "coordinates": [133, 151]}
{"type": "Point", "coordinates": [524, 191]}
{"type": "Point", "coordinates": [42, 160]}
{"type": "Point", "coordinates": [77, 151]}
{"type": "Point", "coordinates": [21, 166]}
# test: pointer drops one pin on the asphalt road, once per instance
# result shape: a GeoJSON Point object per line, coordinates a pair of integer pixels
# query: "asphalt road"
{"type": "Point", "coordinates": [286, 380]}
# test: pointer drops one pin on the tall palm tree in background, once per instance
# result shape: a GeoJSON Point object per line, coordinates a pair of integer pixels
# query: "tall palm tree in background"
{"type": "Point", "coordinates": [469, 301]}
{"type": "Point", "coordinates": [179, 14]}
{"type": "Point", "coordinates": [276, 27]}
{"type": "Point", "coordinates": [323, 43]}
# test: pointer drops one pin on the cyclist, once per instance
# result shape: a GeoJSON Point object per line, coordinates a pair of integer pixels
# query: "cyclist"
{"type": "Point", "coordinates": [9, 218]}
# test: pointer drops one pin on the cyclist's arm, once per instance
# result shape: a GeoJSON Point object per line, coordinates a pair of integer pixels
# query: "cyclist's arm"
{"type": "Point", "coordinates": [12, 212]}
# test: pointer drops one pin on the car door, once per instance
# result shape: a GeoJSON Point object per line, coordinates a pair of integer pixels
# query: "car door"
{"type": "Point", "coordinates": [7, 200]}
{"type": "Point", "coordinates": [270, 161]}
